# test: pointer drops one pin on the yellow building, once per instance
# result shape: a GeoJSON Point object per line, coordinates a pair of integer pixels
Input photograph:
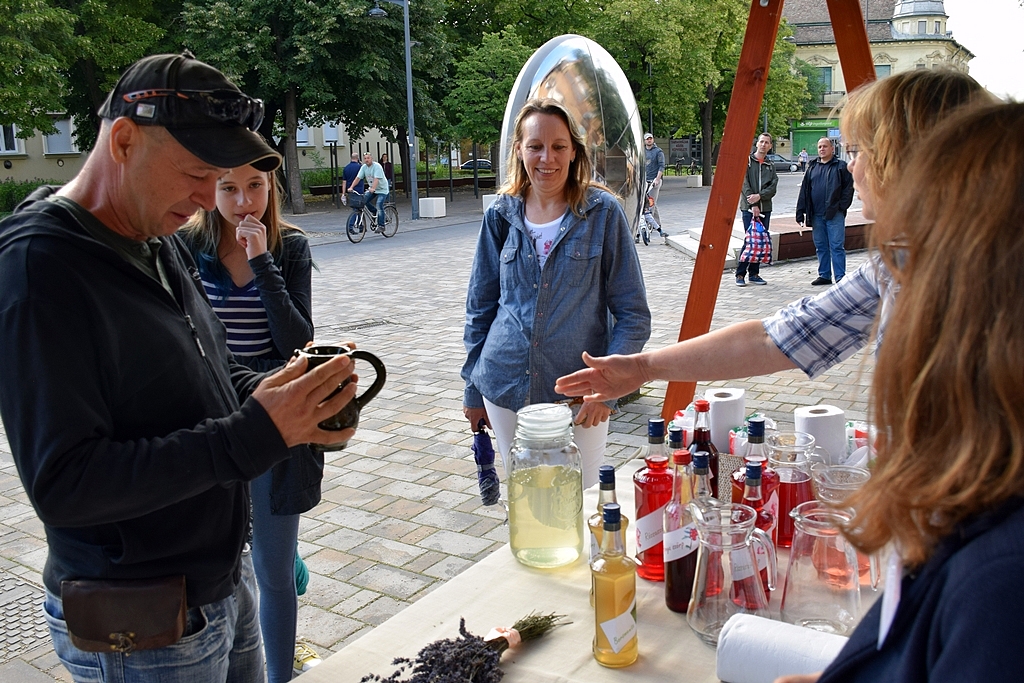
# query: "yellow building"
{"type": "Point", "coordinates": [904, 35]}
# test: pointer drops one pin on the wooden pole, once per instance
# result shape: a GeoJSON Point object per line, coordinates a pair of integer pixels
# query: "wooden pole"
{"type": "Point", "coordinates": [852, 42]}
{"type": "Point", "coordinates": [740, 125]}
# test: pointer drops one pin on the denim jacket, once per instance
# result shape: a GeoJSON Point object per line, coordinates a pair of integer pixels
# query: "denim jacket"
{"type": "Point", "coordinates": [525, 326]}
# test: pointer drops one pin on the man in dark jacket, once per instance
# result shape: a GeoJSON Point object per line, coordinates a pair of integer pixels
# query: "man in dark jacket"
{"type": "Point", "coordinates": [349, 173]}
{"type": "Point", "coordinates": [826, 193]}
{"type": "Point", "coordinates": [133, 430]}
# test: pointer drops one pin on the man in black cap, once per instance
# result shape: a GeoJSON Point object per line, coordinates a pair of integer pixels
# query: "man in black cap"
{"type": "Point", "coordinates": [134, 431]}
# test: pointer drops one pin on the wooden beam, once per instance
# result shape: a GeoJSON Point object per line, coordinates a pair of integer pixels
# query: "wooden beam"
{"type": "Point", "coordinates": [740, 125]}
{"type": "Point", "coordinates": [852, 42]}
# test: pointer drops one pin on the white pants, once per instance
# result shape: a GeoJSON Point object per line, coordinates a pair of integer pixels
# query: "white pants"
{"type": "Point", "coordinates": [590, 440]}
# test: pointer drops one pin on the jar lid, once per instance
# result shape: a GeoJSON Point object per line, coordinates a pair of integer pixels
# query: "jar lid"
{"type": "Point", "coordinates": [543, 421]}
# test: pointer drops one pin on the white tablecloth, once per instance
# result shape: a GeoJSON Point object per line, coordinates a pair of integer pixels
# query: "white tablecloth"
{"type": "Point", "coordinates": [498, 590]}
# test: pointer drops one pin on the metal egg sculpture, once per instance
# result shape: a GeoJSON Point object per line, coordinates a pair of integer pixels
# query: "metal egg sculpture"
{"type": "Point", "coordinates": [583, 77]}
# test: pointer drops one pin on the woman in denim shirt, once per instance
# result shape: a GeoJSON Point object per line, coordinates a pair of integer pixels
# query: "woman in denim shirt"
{"type": "Point", "coordinates": [555, 275]}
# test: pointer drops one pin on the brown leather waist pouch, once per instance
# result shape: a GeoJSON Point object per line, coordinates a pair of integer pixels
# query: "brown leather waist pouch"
{"type": "Point", "coordinates": [125, 615]}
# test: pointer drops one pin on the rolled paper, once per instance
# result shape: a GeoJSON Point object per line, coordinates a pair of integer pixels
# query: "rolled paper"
{"type": "Point", "coordinates": [727, 410]}
{"type": "Point", "coordinates": [753, 649]}
{"type": "Point", "coordinates": [509, 634]}
{"type": "Point", "coordinates": [827, 424]}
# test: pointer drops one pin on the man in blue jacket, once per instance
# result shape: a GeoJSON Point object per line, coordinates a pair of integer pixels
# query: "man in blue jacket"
{"type": "Point", "coordinates": [133, 430]}
{"type": "Point", "coordinates": [826, 193]}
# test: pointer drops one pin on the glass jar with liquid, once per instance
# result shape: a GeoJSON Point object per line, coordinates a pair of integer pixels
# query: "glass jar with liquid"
{"type": "Point", "coordinates": [545, 488]}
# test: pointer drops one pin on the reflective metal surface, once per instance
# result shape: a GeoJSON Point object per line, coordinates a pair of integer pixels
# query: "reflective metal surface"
{"type": "Point", "coordinates": [581, 75]}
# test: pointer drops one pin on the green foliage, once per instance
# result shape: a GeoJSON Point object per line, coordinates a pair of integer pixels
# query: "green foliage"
{"type": "Point", "coordinates": [36, 41]}
{"type": "Point", "coordinates": [12, 192]}
{"type": "Point", "coordinates": [483, 80]}
{"type": "Point", "coordinates": [816, 88]}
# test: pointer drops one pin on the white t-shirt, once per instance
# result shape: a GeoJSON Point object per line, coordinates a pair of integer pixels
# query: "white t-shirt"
{"type": "Point", "coordinates": [543, 235]}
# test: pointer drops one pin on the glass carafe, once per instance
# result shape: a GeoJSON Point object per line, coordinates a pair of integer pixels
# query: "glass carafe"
{"type": "Point", "coordinates": [728, 581]}
{"type": "Point", "coordinates": [822, 590]}
{"type": "Point", "coordinates": [545, 488]}
{"type": "Point", "coordinates": [788, 455]}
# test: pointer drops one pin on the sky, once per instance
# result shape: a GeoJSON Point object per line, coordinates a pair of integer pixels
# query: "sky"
{"type": "Point", "coordinates": [992, 30]}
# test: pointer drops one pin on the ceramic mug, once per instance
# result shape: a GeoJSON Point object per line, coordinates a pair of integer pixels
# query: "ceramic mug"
{"type": "Point", "coordinates": [348, 416]}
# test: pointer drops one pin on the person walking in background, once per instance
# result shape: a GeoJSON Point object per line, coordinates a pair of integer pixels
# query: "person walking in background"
{"type": "Point", "coordinates": [759, 186]}
{"type": "Point", "coordinates": [142, 432]}
{"type": "Point", "coordinates": [555, 274]}
{"type": "Point", "coordinates": [377, 185]}
{"type": "Point", "coordinates": [826, 193]}
{"type": "Point", "coordinates": [348, 174]}
{"type": "Point", "coordinates": [256, 270]}
{"type": "Point", "coordinates": [389, 173]}
{"type": "Point", "coordinates": [803, 160]}
{"type": "Point", "coordinates": [655, 172]}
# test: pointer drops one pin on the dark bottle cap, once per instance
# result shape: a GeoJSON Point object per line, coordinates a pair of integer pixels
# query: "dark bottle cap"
{"type": "Point", "coordinates": [755, 428]}
{"type": "Point", "coordinates": [702, 405]}
{"type": "Point", "coordinates": [612, 513]}
{"type": "Point", "coordinates": [700, 461]}
{"type": "Point", "coordinates": [656, 430]}
{"type": "Point", "coordinates": [606, 475]}
{"type": "Point", "coordinates": [675, 437]}
{"type": "Point", "coordinates": [754, 470]}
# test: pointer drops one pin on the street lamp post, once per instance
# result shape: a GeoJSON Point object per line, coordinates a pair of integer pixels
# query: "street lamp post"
{"type": "Point", "coordinates": [379, 12]}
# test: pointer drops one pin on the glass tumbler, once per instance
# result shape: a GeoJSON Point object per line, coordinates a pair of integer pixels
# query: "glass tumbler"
{"type": "Point", "coordinates": [788, 455]}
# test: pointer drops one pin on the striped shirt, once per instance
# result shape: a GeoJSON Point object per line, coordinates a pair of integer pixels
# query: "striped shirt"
{"type": "Point", "coordinates": [245, 318]}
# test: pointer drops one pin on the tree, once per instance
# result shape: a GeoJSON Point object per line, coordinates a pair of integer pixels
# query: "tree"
{"type": "Point", "coordinates": [35, 42]}
{"type": "Point", "coordinates": [320, 62]}
{"type": "Point", "coordinates": [483, 80]}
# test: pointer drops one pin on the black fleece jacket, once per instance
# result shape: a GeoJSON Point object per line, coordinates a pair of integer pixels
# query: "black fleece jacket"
{"type": "Point", "coordinates": [121, 405]}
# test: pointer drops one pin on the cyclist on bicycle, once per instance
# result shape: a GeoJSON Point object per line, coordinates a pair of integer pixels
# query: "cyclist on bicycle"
{"type": "Point", "coordinates": [655, 167]}
{"type": "Point", "coordinates": [373, 174]}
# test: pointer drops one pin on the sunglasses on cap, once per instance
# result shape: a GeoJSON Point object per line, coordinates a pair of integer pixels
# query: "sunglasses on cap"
{"type": "Point", "coordinates": [226, 106]}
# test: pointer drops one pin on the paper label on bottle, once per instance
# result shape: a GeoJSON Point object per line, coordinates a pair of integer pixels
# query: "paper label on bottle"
{"type": "Point", "coordinates": [742, 563]}
{"type": "Point", "coordinates": [649, 529]}
{"type": "Point", "coordinates": [681, 542]}
{"type": "Point", "coordinates": [621, 630]}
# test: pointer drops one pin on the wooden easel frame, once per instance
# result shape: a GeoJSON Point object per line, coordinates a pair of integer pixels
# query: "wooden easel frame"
{"type": "Point", "coordinates": [740, 124]}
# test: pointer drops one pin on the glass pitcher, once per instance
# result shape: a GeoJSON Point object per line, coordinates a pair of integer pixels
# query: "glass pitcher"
{"type": "Point", "coordinates": [822, 590]}
{"type": "Point", "coordinates": [545, 488]}
{"type": "Point", "coordinates": [788, 456]}
{"type": "Point", "coordinates": [727, 581]}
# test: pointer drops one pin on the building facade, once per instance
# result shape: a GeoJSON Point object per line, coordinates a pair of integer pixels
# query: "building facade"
{"type": "Point", "coordinates": [904, 35]}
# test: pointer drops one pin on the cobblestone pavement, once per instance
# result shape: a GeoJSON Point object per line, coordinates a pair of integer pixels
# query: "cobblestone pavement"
{"type": "Point", "coordinates": [401, 512]}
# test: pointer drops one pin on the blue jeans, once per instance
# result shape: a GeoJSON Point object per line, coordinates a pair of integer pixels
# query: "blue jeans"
{"type": "Point", "coordinates": [274, 540]}
{"type": "Point", "coordinates": [830, 244]}
{"type": "Point", "coordinates": [221, 643]}
{"type": "Point", "coordinates": [380, 199]}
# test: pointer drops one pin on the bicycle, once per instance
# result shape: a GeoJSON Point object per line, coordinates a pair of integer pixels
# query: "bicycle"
{"type": "Point", "coordinates": [646, 225]}
{"type": "Point", "coordinates": [365, 214]}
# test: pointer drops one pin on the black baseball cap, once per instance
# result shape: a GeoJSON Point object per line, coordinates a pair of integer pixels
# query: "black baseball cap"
{"type": "Point", "coordinates": [198, 106]}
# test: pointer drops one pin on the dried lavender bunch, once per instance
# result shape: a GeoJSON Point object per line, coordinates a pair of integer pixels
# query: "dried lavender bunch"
{"type": "Point", "coordinates": [468, 659]}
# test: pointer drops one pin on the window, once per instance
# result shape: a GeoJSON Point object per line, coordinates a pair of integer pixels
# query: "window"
{"type": "Point", "coordinates": [825, 73]}
{"type": "Point", "coordinates": [920, 65]}
{"type": "Point", "coordinates": [906, 27]}
{"type": "Point", "coordinates": [61, 141]}
{"type": "Point", "coordinates": [302, 135]}
{"type": "Point", "coordinates": [922, 27]}
{"type": "Point", "coordinates": [938, 27]}
{"type": "Point", "coordinates": [330, 132]}
{"type": "Point", "coordinates": [8, 139]}
{"type": "Point", "coordinates": [883, 70]}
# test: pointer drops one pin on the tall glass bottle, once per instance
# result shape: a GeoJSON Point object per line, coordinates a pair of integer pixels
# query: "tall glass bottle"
{"type": "Point", "coordinates": [545, 488]}
{"type": "Point", "coordinates": [757, 452]}
{"type": "Point", "coordinates": [680, 533]}
{"type": "Point", "coordinates": [614, 579]}
{"type": "Point", "coordinates": [766, 521]}
{"type": "Point", "coordinates": [605, 495]}
{"type": "Point", "coordinates": [653, 489]}
{"type": "Point", "coordinates": [702, 494]}
{"type": "Point", "coordinates": [702, 440]}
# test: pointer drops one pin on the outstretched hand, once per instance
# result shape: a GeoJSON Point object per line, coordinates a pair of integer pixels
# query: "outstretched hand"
{"type": "Point", "coordinates": [605, 378]}
{"type": "Point", "coordinates": [297, 401]}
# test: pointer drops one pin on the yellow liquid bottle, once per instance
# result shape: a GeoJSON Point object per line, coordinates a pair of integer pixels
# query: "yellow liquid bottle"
{"type": "Point", "coordinates": [614, 580]}
{"type": "Point", "coordinates": [606, 494]}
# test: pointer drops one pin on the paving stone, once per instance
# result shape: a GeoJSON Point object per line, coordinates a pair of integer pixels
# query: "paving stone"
{"type": "Point", "coordinates": [17, 671]}
{"type": "Point", "coordinates": [391, 581]}
{"type": "Point", "coordinates": [446, 519]}
{"type": "Point", "coordinates": [325, 592]}
{"type": "Point", "coordinates": [388, 551]}
{"type": "Point", "coordinates": [355, 602]}
{"type": "Point", "coordinates": [323, 627]}
{"type": "Point", "coordinates": [326, 561]}
{"type": "Point", "coordinates": [352, 518]}
{"type": "Point", "coordinates": [343, 539]}
{"type": "Point", "coordinates": [454, 543]}
{"type": "Point", "coordinates": [380, 610]}
{"type": "Point", "coordinates": [448, 568]}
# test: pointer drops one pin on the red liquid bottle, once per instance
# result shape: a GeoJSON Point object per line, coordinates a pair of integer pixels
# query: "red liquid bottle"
{"type": "Point", "coordinates": [702, 441]}
{"type": "Point", "coordinates": [701, 491]}
{"type": "Point", "coordinates": [680, 540]}
{"type": "Point", "coordinates": [653, 487]}
{"type": "Point", "coordinates": [756, 452]}
{"type": "Point", "coordinates": [766, 520]}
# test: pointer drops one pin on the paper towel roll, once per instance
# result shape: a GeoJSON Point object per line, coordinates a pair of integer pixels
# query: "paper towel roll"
{"type": "Point", "coordinates": [827, 424]}
{"type": "Point", "coordinates": [728, 410]}
{"type": "Point", "coordinates": [753, 649]}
